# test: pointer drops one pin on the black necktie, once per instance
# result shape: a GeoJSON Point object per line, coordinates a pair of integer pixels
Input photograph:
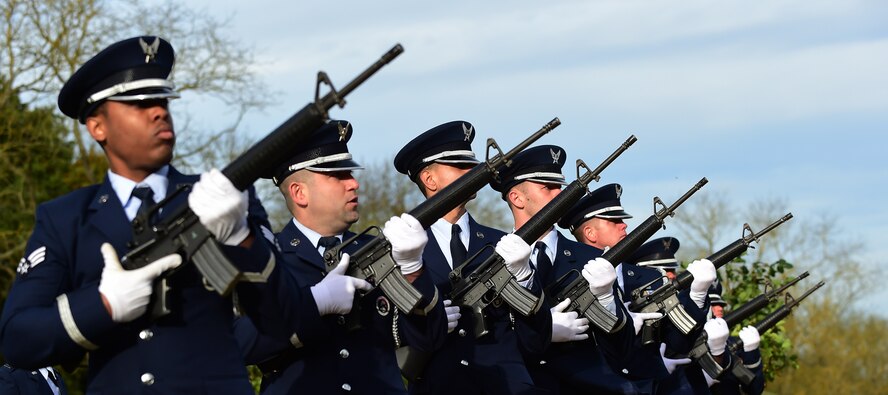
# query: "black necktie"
{"type": "Point", "coordinates": [53, 377]}
{"type": "Point", "coordinates": [328, 242]}
{"type": "Point", "coordinates": [457, 249]}
{"type": "Point", "coordinates": [146, 195]}
{"type": "Point", "coordinates": [543, 263]}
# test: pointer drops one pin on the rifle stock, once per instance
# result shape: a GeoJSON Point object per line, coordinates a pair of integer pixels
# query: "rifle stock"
{"type": "Point", "coordinates": [181, 232]}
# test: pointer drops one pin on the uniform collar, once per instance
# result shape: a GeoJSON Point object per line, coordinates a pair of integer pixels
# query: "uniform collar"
{"type": "Point", "coordinates": [123, 187]}
{"type": "Point", "coordinates": [442, 230]}
{"type": "Point", "coordinates": [550, 239]}
{"type": "Point", "coordinates": [311, 235]}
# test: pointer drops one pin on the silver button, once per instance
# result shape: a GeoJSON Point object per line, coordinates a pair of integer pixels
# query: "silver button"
{"type": "Point", "coordinates": [625, 371]}
{"type": "Point", "coordinates": [147, 379]}
{"type": "Point", "coordinates": [464, 362]}
{"type": "Point", "coordinates": [343, 353]}
{"type": "Point", "coordinates": [146, 334]}
{"type": "Point", "coordinates": [542, 362]}
{"type": "Point", "coordinates": [346, 387]}
{"type": "Point", "coordinates": [462, 332]}
{"type": "Point", "coordinates": [340, 320]}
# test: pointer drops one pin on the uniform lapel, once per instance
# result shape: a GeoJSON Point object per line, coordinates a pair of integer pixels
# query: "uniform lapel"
{"type": "Point", "coordinates": [295, 246]}
{"type": "Point", "coordinates": [477, 241]}
{"type": "Point", "coordinates": [434, 260]}
{"type": "Point", "coordinates": [177, 180]}
{"type": "Point", "coordinates": [107, 216]}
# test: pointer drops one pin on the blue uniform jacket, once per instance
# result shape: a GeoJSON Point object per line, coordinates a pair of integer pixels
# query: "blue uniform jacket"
{"type": "Point", "coordinates": [54, 312]}
{"type": "Point", "coordinates": [333, 359]}
{"type": "Point", "coordinates": [493, 363]}
{"type": "Point", "coordinates": [25, 382]}
{"type": "Point", "coordinates": [583, 366]}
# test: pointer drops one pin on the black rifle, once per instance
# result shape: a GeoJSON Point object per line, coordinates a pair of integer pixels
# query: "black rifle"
{"type": "Point", "coordinates": [748, 309]}
{"type": "Point", "coordinates": [181, 232]}
{"type": "Point", "coordinates": [491, 279]}
{"type": "Point", "coordinates": [714, 370]}
{"type": "Point", "coordinates": [665, 298]}
{"type": "Point", "coordinates": [635, 239]}
{"type": "Point", "coordinates": [700, 351]}
{"type": "Point", "coordinates": [643, 232]}
{"type": "Point", "coordinates": [373, 261]}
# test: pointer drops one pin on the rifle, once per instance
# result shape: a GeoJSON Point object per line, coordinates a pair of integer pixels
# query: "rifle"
{"type": "Point", "coordinates": [625, 247]}
{"type": "Point", "coordinates": [751, 307]}
{"type": "Point", "coordinates": [373, 261]}
{"type": "Point", "coordinates": [635, 239]}
{"type": "Point", "coordinates": [491, 279]}
{"type": "Point", "coordinates": [181, 231]}
{"type": "Point", "coordinates": [743, 312]}
{"type": "Point", "coordinates": [714, 370]}
{"type": "Point", "coordinates": [665, 298]}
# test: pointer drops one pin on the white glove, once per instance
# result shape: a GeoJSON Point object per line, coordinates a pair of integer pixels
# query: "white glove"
{"type": "Point", "coordinates": [516, 253]}
{"type": "Point", "coordinates": [638, 319]}
{"type": "Point", "coordinates": [600, 275]}
{"type": "Point", "coordinates": [408, 239]}
{"type": "Point", "coordinates": [129, 291]}
{"type": "Point", "coordinates": [750, 337]}
{"type": "Point", "coordinates": [222, 209]}
{"type": "Point", "coordinates": [566, 327]}
{"type": "Point", "coordinates": [335, 294]}
{"type": "Point", "coordinates": [716, 335]}
{"type": "Point", "coordinates": [453, 315]}
{"type": "Point", "coordinates": [704, 274]}
{"type": "Point", "coordinates": [669, 363]}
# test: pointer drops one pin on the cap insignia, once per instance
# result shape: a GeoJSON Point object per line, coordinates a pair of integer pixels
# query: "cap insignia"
{"type": "Point", "coordinates": [667, 243]}
{"type": "Point", "coordinates": [150, 50]}
{"type": "Point", "coordinates": [468, 131]}
{"type": "Point", "coordinates": [343, 131]}
{"type": "Point", "coordinates": [555, 155]}
{"type": "Point", "coordinates": [619, 190]}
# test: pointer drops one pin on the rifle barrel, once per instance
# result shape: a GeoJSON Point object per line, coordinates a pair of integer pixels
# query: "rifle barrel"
{"type": "Point", "coordinates": [433, 208]}
{"type": "Point", "coordinates": [275, 148]}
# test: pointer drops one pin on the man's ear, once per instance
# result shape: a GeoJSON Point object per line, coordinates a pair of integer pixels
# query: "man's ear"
{"type": "Point", "coordinates": [589, 232]}
{"type": "Point", "coordinates": [297, 192]}
{"type": "Point", "coordinates": [516, 198]}
{"type": "Point", "coordinates": [427, 178]}
{"type": "Point", "coordinates": [97, 127]}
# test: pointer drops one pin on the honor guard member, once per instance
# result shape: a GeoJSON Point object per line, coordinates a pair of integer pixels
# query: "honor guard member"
{"type": "Point", "coordinates": [491, 364]}
{"type": "Point", "coordinates": [43, 381]}
{"type": "Point", "coordinates": [597, 220]}
{"type": "Point", "coordinates": [531, 182]}
{"type": "Point", "coordinates": [71, 295]}
{"type": "Point", "coordinates": [321, 192]}
{"type": "Point", "coordinates": [728, 384]}
{"type": "Point", "coordinates": [717, 304]}
{"type": "Point", "coordinates": [659, 254]}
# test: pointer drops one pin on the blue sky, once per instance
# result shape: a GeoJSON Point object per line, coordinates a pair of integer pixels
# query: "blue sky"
{"type": "Point", "coordinates": [777, 99]}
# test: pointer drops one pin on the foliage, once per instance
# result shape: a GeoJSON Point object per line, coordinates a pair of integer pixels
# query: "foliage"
{"type": "Point", "coordinates": [840, 351]}
{"type": "Point", "coordinates": [743, 282]}
{"type": "Point", "coordinates": [39, 164]}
